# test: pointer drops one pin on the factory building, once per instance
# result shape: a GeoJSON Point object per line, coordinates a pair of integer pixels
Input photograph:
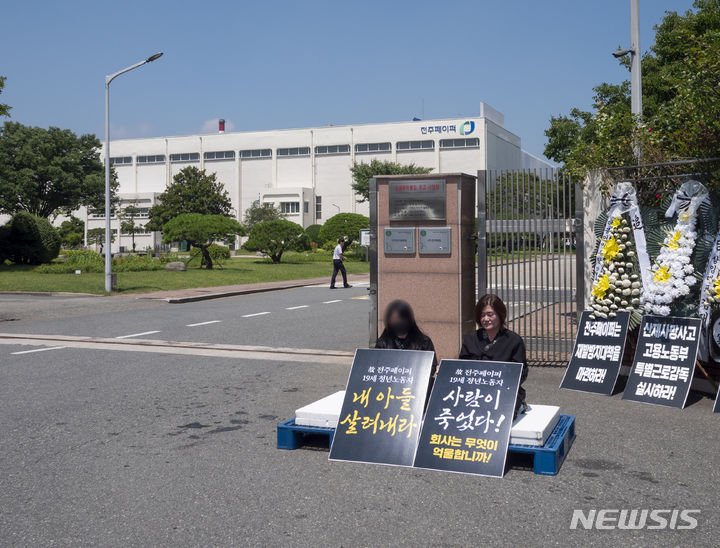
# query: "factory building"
{"type": "Point", "coordinates": [305, 172]}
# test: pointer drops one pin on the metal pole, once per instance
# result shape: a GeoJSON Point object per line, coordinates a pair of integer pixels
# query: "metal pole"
{"type": "Point", "coordinates": [579, 250]}
{"type": "Point", "coordinates": [482, 266]}
{"type": "Point", "coordinates": [108, 253]}
{"type": "Point", "coordinates": [635, 68]}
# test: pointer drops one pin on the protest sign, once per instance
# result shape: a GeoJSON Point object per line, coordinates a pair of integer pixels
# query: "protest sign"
{"type": "Point", "coordinates": [664, 362]}
{"type": "Point", "coordinates": [469, 417]}
{"type": "Point", "coordinates": [597, 355]}
{"type": "Point", "coordinates": [382, 410]}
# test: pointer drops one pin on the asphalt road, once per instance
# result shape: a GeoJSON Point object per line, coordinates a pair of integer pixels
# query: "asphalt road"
{"type": "Point", "coordinates": [119, 448]}
{"type": "Point", "coordinates": [308, 317]}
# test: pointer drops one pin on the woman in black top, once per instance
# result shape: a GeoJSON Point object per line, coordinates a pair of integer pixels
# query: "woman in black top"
{"type": "Point", "coordinates": [402, 333]}
{"type": "Point", "coordinates": [495, 342]}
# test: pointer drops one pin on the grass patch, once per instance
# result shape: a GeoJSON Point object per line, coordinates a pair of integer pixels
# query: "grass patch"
{"type": "Point", "coordinates": [233, 271]}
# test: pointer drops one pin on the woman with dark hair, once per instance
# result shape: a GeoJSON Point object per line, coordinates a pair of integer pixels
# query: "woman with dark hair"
{"type": "Point", "coordinates": [402, 333]}
{"type": "Point", "coordinates": [493, 341]}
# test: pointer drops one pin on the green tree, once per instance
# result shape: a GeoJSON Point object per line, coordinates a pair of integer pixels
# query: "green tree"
{"type": "Point", "coordinates": [528, 196]}
{"type": "Point", "coordinates": [29, 239]}
{"type": "Point", "coordinates": [258, 213]}
{"type": "Point", "coordinates": [313, 234]}
{"type": "Point", "coordinates": [681, 97]}
{"type": "Point", "coordinates": [276, 237]}
{"type": "Point", "coordinates": [72, 232]}
{"type": "Point", "coordinates": [201, 231]}
{"type": "Point", "coordinates": [128, 224]}
{"type": "Point", "coordinates": [4, 109]}
{"type": "Point", "coordinates": [192, 191]}
{"type": "Point", "coordinates": [49, 171]}
{"type": "Point", "coordinates": [96, 237]}
{"type": "Point", "coordinates": [344, 225]}
{"type": "Point", "coordinates": [218, 253]}
{"type": "Point", "coordinates": [362, 173]}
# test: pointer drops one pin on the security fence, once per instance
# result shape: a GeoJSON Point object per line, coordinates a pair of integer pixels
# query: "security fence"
{"type": "Point", "coordinates": [530, 254]}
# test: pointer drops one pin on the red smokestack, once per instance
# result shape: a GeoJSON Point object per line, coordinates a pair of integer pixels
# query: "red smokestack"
{"type": "Point", "coordinates": [221, 126]}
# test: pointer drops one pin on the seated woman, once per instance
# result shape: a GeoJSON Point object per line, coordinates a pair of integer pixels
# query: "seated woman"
{"type": "Point", "coordinates": [495, 342]}
{"type": "Point", "coordinates": [402, 333]}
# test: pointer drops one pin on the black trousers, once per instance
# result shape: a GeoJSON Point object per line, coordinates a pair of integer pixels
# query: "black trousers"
{"type": "Point", "coordinates": [338, 266]}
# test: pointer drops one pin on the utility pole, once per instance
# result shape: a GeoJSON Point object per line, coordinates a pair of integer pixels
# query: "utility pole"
{"type": "Point", "coordinates": [635, 68]}
{"type": "Point", "coordinates": [635, 58]}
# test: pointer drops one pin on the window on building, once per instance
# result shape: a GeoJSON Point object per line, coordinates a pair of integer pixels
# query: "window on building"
{"type": "Point", "coordinates": [120, 160]}
{"type": "Point", "coordinates": [332, 149]}
{"type": "Point", "coordinates": [459, 143]}
{"type": "Point", "coordinates": [185, 157]}
{"type": "Point", "coordinates": [99, 214]}
{"type": "Point", "coordinates": [156, 159]}
{"type": "Point", "coordinates": [138, 231]}
{"type": "Point", "coordinates": [290, 207]}
{"type": "Point", "coordinates": [306, 207]}
{"type": "Point", "coordinates": [298, 151]}
{"type": "Point", "coordinates": [372, 147]}
{"type": "Point", "coordinates": [222, 155]}
{"type": "Point", "coordinates": [318, 207]}
{"type": "Point", "coordinates": [256, 153]}
{"type": "Point", "coordinates": [414, 145]}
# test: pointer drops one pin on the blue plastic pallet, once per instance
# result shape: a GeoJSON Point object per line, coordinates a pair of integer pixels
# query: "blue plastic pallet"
{"type": "Point", "coordinates": [292, 436]}
{"type": "Point", "coordinates": [547, 459]}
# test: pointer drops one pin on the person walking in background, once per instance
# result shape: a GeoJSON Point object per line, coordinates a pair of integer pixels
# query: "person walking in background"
{"type": "Point", "coordinates": [338, 265]}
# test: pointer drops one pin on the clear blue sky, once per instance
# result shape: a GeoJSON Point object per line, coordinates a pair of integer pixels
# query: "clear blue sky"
{"type": "Point", "coordinates": [283, 64]}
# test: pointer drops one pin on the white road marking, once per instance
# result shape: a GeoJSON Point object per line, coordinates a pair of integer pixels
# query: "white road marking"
{"type": "Point", "coordinates": [137, 334]}
{"type": "Point", "coordinates": [330, 302]}
{"type": "Point", "coordinates": [296, 307]}
{"type": "Point", "coordinates": [38, 350]}
{"type": "Point", "coordinates": [202, 323]}
{"type": "Point", "coordinates": [325, 285]}
{"type": "Point", "coordinates": [299, 355]}
{"type": "Point", "coordinates": [256, 314]}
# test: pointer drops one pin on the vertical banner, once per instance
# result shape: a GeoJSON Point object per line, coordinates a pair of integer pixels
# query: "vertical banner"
{"type": "Point", "coordinates": [664, 362]}
{"type": "Point", "coordinates": [597, 355]}
{"type": "Point", "coordinates": [469, 417]}
{"type": "Point", "coordinates": [382, 410]}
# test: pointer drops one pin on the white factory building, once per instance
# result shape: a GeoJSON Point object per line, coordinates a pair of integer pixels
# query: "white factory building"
{"type": "Point", "coordinates": [305, 172]}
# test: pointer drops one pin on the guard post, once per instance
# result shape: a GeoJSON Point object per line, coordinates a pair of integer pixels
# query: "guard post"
{"type": "Point", "coordinates": [422, 250]}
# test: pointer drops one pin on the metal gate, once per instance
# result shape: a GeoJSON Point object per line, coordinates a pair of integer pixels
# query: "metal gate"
{"type": "Point", "coordinates": [530, 254]}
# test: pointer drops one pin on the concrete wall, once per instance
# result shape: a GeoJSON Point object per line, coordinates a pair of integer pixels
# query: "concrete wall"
{"type": "Point", "coordinates": [594, 203]}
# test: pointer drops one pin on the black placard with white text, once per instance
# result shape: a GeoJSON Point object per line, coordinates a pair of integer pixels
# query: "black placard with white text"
{"type": "Point", "coordinates": [664, 362]}
{"type": "Point", "coordinates": [383, 406]}
{"type": "Point", "coordinates": [469, 417]}
{"type": "Point", "coordinates": [597, 354]}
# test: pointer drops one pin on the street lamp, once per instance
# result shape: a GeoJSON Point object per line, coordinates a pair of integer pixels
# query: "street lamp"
{"type": "Point", "coordinates": [635, 63]}
{"type": "Point", "coordinates": [108, 79]}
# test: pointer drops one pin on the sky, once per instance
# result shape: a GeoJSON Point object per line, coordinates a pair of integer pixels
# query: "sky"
{"type": "Point", "coordinates": [287, 64]}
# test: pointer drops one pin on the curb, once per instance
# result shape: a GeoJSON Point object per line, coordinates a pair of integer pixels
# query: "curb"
{"type": "Point", "coordinates": [173, 300]}
{"type": "Point", "coordinates": [51, 294]}
{"type": "Point", "coordinates": [234, 293]}
{"type": "Point", "coordinates": [208, 296]}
